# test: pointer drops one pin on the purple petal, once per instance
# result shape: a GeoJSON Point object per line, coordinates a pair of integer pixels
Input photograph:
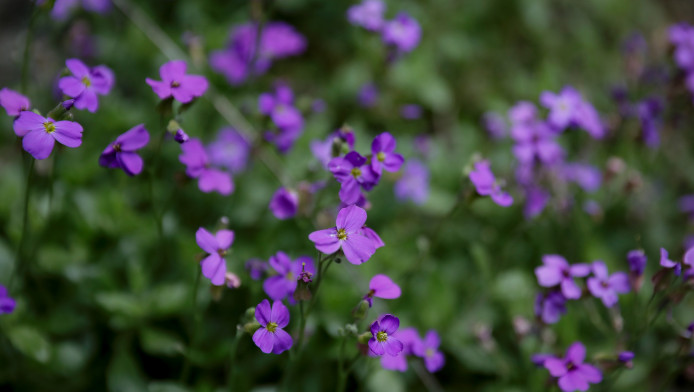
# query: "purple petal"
{"type": "Point", "coordinates": [576, 353]}
{"type": "Point", "coordinates": [435, 362]}
{"type": "Point", "coordinates": [503, 199]}
{"type": "Point", "coordinates": [87, 100]}
{"type": "Point", "coordinates": [590, 373]}
{"type": "Point", "coordinates": [351, 219]}
{"type": "Point", "coordinates": [263, 312]}
{"type": "Point", "coordinates": [214, 268]}
{"type": "Point", "coordinates": [195, 84]}
{"type": "Point", "coordinates": [77, 68]}
{"type": "Point", "coordinates": [555, 260]}
{"type": "Point", "coordinates": [264, 339]}
{"type": "Point", "coordinates": [68, 133]}
{"type": "Point", "coordinates": [206, 241]}
{"type": "Point", "coordinates": [556, 366]}
{"type": "Point", "coordinates": [619, 281]}
{"type": "Point", "coordinates": [600, 270]}
{"type": "Point", "coordinates": [13, 102]}
{"type": "Point", "coordinates": [162, 89]}
{"type": "Point", "coordinates": [326, 240]}
{"type": "Point", "coordinates": [580, 270]}
{"type": "Point", "coordinates": [71, 86]}
{"type": "Point", "coordinates": [283, 341]}
{"type": "Point", "coordinates": [38, 143]}
{"type": "Point", "coordinates": [376, 348]}
{"type": "Point", "coordinates": [393, 346]}
{"type": "Point", "coordinates": [27, 122]}
{"type": "Point", "coordinates": [573, 381]}
{"type": "Point", "coordinates": [280, 262]}
{"type": "Point", "coordinates": [134, 138]}
{"type": "Point", "coordinates": [358, 248]}
{"type": "Point", "coordinates": [278, 287]}
{"type": "Point", "coordinates": [548, 275]}
{"type": "Point", "coordinates": [280, 314]}
{"type": "Point", "coordinates": [173, 71]}
{"type": "Point", "coordinates": [224, 239]}
{"type": "Point", "coordinates": [384, 287]}
{"type": "Point", "coordinates": [266, 102]}
{"type": "Point", "coordinates": [384, 142]}
{"type": "Point", "coordinates": [570, 289]}
{"type": "Point", "coordinates": [182, 94]}
{"type": "Point", "coordinates": [664, 261]}
{"type": "Point", "coordinates": [393, 162]}
{"type": "Point", "coordinates": [595, 287]}
{"type": "Point", "coordinates": [130, 162]}
{"type": "Point", "coordinates": [432, 339]}
{"type": "Point", "coordinates": [389, 324]}
{"type": "Point", "coordinates": [398, 362]}
{"type": "Point", "coordinates": [215, 180]}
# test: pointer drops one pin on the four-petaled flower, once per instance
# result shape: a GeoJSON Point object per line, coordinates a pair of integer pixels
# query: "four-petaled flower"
{"type": "Point", "coordinates": [121, 153]}
{"type": "Point", "coordinates": [352, 172]}
{"type": "Point", "coordinates": [84, 84]}
{"type": "Point", "coordinates": [573, 374]}
{"type": "Point", "coordinates": [270, 337]}
{"type": "Point", "coordinates": [346, 235]}
{"type": "Point", "coordinates": [606, 287]}
{"type": "Point", "coordinates": [384, 155]}
{"type": "Point", "coordinates": [40, 133]}
{"type": "Point", "coordinates": [198, 166]}
{"type": "Point", "coordinates": [214, 265]}
{"type": "Point", "coordinates": [557, 271]}
{"type": "Point", "coordinates": [382, 340]}
{"type": "Point", "coordinates": [283, 284]}
{"type": "Point", "coordinates": [175, 83]}
{"type": "Point", "coordinates": [428, 349]}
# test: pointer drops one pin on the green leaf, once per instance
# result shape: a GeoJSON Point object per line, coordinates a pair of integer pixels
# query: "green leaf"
{"type": "Point", "coordinates": [30, 342]}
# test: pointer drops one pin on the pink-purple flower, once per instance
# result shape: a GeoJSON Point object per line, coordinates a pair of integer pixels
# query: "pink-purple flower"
{"type": "Point", "coordinates": [121, 153]}
{"type": "Point", "coordinates": [368, 14]}
{"type": "Point", "coordinates": [198, 166]}
{"type": "Point", "coordinates": [382, 340]}
{"type": "Point", "coordinates": [428, 349]}
{"type": "Point", "coordinates": [177, 84]}
{"type": "Point", "coordinates": [550, 307]}
{"type": "Point", "coordinates": [353, 173]}
{"type": "Point", "coordinates": [486, 185]}
{"type": "Point", "coordinates": [605, 286]}
{"type": "Point", "coordinates": [346, 235]}
{"type": "Point", "coordinates": [557, 271]}
{"type": "Point", "coordinates": [284, 284]}
{"type": "Point", "coordinates": [229, 150]}
{"type": "Point", "coordinates": [414, 183]}
{"type": "Point", "coordinates": [7, 303]}
{"type": "Point", "coordinates": [84, 84]}
{"type": "Point", "coordinates": [381, 286]}
{"type": "Point", "coordinates": [270, 337]}
{"type": "Point", "coordinates": [403, 32]}
{"type": "Point", "coordinates": [13, 102]}
{"type": "Point", "coordinates": [572, 373]}
{"type": "Point", "coordinates": [40, 133]}
{"type": "Point", "coordinates": [214, 265]}
{"type": "Point", "coordinates": [383, 155]}
{"type": "Point", "coordinates": [284, 203]}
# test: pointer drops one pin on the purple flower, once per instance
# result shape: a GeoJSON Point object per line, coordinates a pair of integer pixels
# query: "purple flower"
{"type": "Point", "coordinates": [230, 150]}
{"type": "Point", "coordinates": [535, 201]}
{"type": "Point", "coordinates": [285, 116]}
{"type": "Point", "coordinates": [637, 261]}
{"type": "Point", "coordinates": [495, 124]}
{"type": "Point", "coordinates": [368, 95]}
{"type": "Point", "coordinates": [368, 14]}
{"type": "Point", "coordinates": [231, 280]}
{"type": "Point", "coordinates": [606, 287]}
{"type": "Point", "coordinates": [382, 341]}
{"type": "Point", "coordinates": [403, 32]}
{"type": "Point", "coordinates": [214, 266]}
{"type": "Point", "coordinates": [84, 84]}
{"type": "Point", "coordinates": [557, 271]}
{"type": "Point", "coordinates": [384, 155]}
{"type": "Point", "coordinates": [586, 176]}
{"type": "Point", "coordinates": [550, 307]}
{"type": "Point", "coordinates": [414, 183]}
{"type": "Point", "coordinates": [121, 153]}
{"type": "Point", "coordinates": [409, 337]}
{"type": "Point", "coordinates": [411, 111]}
{"type": "Point", "coordinates": [485, 184]}
{"type": "Point", "coordinates": [256, 268]}
{"type": "Point", "coordinates": [536, 141]}
{"type": "Point", "coordinates": [270, 337]}
{"type": "Point", "coordinates": [649, 111]}
{"type": "Point", "coordinates": [562, 107]}
{"type": "Point", "coordinates": [284, 283]}
{"type": "Point", "coordinates": [667, 263]}
{"type": "Point", "coordinates": [589, 119]}
{"type": "Point", "coordinates": [382, 286]}
{"type": "Point", "coordinates": [284, 203]}
{"type": "Point", "coordinates": [13, 102]}
{"type": "Point", "coordinates": [373, 236]}
{"type": "Point", "coordinates": [198, 166]}
{"type": "Point", "coordinates": [625, 356]}
{"type": "Point", "coordinates": [62, 8]}
{"type": "Point", "coordinates": [180, 136]}
{"type": "Point", "coordinates": [428, 349]}
{"type": "Point", "coordinates": [573, 374]}
{"type": "Point", "coordinates": [353, 172]}
{"type": "Point", "coordinates": [7, 303]}
{"type": "Point", "coordinates": [40, 133]}
{"type": "Point", "coordinates": [346, 236]}
{"type": "Point", "coordinates": [175, 83]}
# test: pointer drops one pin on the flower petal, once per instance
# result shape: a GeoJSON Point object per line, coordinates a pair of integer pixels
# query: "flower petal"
{"type": "Point", "coordinates": [556, 366]}
{"type": "Point", "coordinates": [384, 287]}
{"type": "Point", "coordinates": [263, 312]}
{"type": "Point", "coordinates": [376, 348]}
{"type": "Point", "coordinates": [351, 218]}
{"type": "Point", "coordinates": [214, 268]}
{"type": "Point", "coordinates": [173, 71]}
{"type": "Point", "coordinates": [389, 324]}
{"type": "Point", "coordinates": [573, 381]}
{"type": "Point", "coordinates": [576, 353]}
{"type": "Point", "coordinates": [162, 89]}
{"type": "Point", "coordinates": [283, 341]}
{"type": "Point", "coordinates": [358, 248]}
{"type": "Point", "coordinates": [134, 138]}
{"type": "Point", "coordinates": [38, 143]}
{"type": "Point", "coordinates": [393, 346]}
{"type": "Point", "coordinates": [264, 340]}
{"type": "Point", "coordinates": [77, 68]}
{"type": "Point", "coordinates": [206, 241]}
{"type": "Point", "coordinates": [326, 240]}
{"type": "Point", "coordinates": [68, 133]}
{"type": "Point", "coordinates": [27, 122]}
{"type": "Point", "coordinates": [130, 162]}
{"type": "Point", "coordinates": [71, 86]}
{"type": "Point", "coordinates": [280, 314]}
{"type": "Point", "coordinates": [224, 239]}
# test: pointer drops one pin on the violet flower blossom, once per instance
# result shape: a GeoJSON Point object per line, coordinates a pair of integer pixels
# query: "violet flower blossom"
{"type": "Point", "coordinates": [428, 349]}
{"type": "Point", "coordinates": [572, 373]}
{"type": "Point", "coordinates": [409, 337]}
{"type": "Point", "coordinates": [485, 184]}
{"type": "Point", "coordinates": [85, 83]}
{"type": "Point", "coordinates": [536, 142]}
{"type": "Point", "coordinates": [39, 133]}
{"type": "Point", "coordinates": [7, 303]}
{"type": "Point", "coordinates": [353, 173]}
{"type": "Point", "coordinates": [270, 337]}
{"type": "Point", "coordinates": [495, 124]}
{"type": "Point", "coordinates": [121, 153]}
{"type": "Point", "coordinates": [229, 150]}
{"type": "Point", "coordinates": [181, 136]}
{"type": "Point", "coordinates": [414, 183]}
{"type": "Point", "coordinates": [177, 84]}
{"type": "Point", "coordinates": [346, 235]}
{"type": "Point", "coordinates": [557, 271]}
{"type": "Point", "coordinates": [637, 261]}
{"type": "Point", "coordinates": [550, 307]}
{"type": "Point", "coordinates": [214, 266]}
{"type": "Point", "coordinates": [606, 287]}
{"type": "Point", "coordinates": [284, 203]}
{"type": "Point", "coordinates": [368, 14]}
{"type": "Point", "coordinates": [197, 163]}
{"type": "Point", "coordinates": [382, 340]}
{"type": "Point", "coordinates": [383, 155]}
{"type": "Point", "coordinates": [287, 118]}
{"type": "Point", "coordinates": [562, 107]}
{"type": "Point", "coordinates": [381, 286]}
{"type": "Point", "coordinates": [403, 32]}
{"type": "Point", "coordinates": [368, 95]}
{"type": "Point", "coordinates": [256, 268]}
{"type": "Point", "coordinates": [667, 263]}
{"type": "Point", "coordinates": [284, 284]}
{"type": "Point", "coordinates": [13, 102]}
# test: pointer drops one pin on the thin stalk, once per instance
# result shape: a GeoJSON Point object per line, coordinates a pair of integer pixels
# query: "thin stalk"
{"type": "Point", "coordinates": [196, 323]}
{"type": "Point", "coordinates": [27, 48]}
{"type": "Point", "coordinates": [19, 261]}
{"type": "Point", "coordinates": [231, 379]}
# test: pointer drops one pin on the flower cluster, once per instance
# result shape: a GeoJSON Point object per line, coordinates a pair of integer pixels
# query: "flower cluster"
{"type": "Point", "coordinates": [402, 32]}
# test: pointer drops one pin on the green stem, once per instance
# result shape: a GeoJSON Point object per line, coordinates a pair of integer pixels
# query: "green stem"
{"type": "Point", "coordinates": [341, 374]}
{"type": "Point", "coordinates": [196, 323]}
{"type": "Point", "coordinates": [27, 48]}
{"type": "Point", "coordinates": [19, 262]}
{"type": "Point", "coordinates": [231, 380]}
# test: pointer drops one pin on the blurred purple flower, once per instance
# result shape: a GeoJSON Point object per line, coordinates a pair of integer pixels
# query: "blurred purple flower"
{"type": "Point", "coordinates": [586, 176]}
{"type": "Point", "coordinates": [625, 356]}
{"type": "Point", "coordinates": [573, 374]}
{"type": "Point", "coordinates": [557, 271]}
{"type": "Point", "coordinates": [535, 201]}
{"type": "Point", "coordinates": [231, 280]}
{"type": "Point", "coordinates": [194, 156]}
{"type": "Point", "coordinates": [181, 136]}
{"type": "Point", "coordinates": [368, 14]}
{"type": "Point", "coordinates": [284, 203]}
{"type": "Point", "coordinates": [256, 268]}
{"type": "Point", "coordinates": [411, 111]}
{"type": "Point", "coordinates": [667, 263]}
{"type": "Point", "coordinates": [286, 117]}
{"type": "Point", "coordinates": [7, 303]}
{"type": "Point", "coordinates": [84, 84]}
{"type": "Point", "coordinates": [606, 287]}
{"type": "Point", "coordinates": [283, 284]}
{"type": "Point", "coordinates": [403, 32]}
{"type": "Point", "coordinates": [382, 340]}
{"type": "Point", "coordinates": [353, 173]}
{"type": "Point", "coordinates": [409, 337]}
{"type": "Point", "coordinates": [414, 183]}
{"type": "Point", "coordinates": [270, 337]}
{"type": "Point", "coordinates": [562, 107]}
{"type": "Point", "coordinates": [637, 261]}
{"type": "Point", "coordinates": [177, 84]}
{"type": "Point", "coordinates": [368, 95]}
{"type": "Point", "coordinates": [550, 307]}
{"type": "Point", "coordinates": [428, 349]}
{"type": "Point", "coordinates": [62, 8]}
{"type": "Point", "coordinates": [535, 141]}
{"type": "Point", "coordinates": [495, 124]}
{"type": "Point", "coordinates": [214, 265]}
{"type": "Point", "coordinates": [13, 102]}
{"type": "Point", "coordinates": [39, 133]}
{"type": "Point", "coordinates": [346, 235]}
{"type": "Point", "coordinates": [485, 184]}
{"type": "Point", "coordinates": [381, 286]}
{"type": "Point", "coordinates": [649, 112]}
{"type": "Point", "coordinates": [229, 150]}
{"type": "Point", "coordinates": [121, 153]}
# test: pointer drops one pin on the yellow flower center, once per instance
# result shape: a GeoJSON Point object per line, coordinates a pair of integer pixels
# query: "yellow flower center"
{"type": "Point", "coordinates": [290, 276]}
{"type": "Point", "coordinates": [271, 327]}
{"type": "Point", "coordinates": [116, 147]}
{"type": "Point", "coordinates": [356, 172]}
{"type": "Point", "coordinates": [175, 84]}
{"type": "Point", "coordinates": [86, 81]}
{"type": "Point", "coordinates": [341, 234]}
{"type": "Point", "coordinates": [50, 127]}
{"type": "Point", "coordinates": [430, 352]}
{"type": "Point", "coordinates": [381, 336]}
{"type": "Point", "coordinates": [381, 156]}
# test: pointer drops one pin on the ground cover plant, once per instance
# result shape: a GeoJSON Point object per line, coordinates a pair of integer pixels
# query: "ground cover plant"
{"type": "Point", "coordinates": [306, 195]}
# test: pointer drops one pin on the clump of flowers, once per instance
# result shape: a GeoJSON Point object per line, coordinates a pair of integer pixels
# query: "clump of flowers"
{"type": "Point", "coordinates": [402, 33]}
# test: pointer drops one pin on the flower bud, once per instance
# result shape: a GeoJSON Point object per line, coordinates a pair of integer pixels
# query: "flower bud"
{"type": "Point", "coordinates": [361, 310]}
{"type": "Point", "coordinates": [364, 338]}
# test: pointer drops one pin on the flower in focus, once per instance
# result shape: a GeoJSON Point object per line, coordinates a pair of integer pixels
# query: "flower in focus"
{"type": "Point", "coordinates": [84, 84]}
{"type": "Point", "coordinates": [382, 286]}
{"type": "Point", "coordinates": [428, 349]}
{"type": "Point", "coordinates": [121, 153]}
{"type": "Point", "coordinates": [368, 14]}
{"type": "Point", "coordinates": [270, 337]}
{"type": "Point", "coordinates": [384, 155]}
{"type": "Point", "coordinates": [403, 32]}
{"type": "Point", "coordinates": [198, 166]}
{"type": "Point", "coordinates": [284, 203]}
{"type": "Point", "coordinates": [352, 172]}
{"type": "Point", "coordinates": [550, 307]}
{"type": "Point", "coordinates": [13, 102]}
{"type": "Point", "coordinates": [347, 235]}
{"type": "Point", "coordinates": [414, 183]}
{"type": "Point", "coordinates": [382, 340]}
{"type": "Point", "coordinates": [214, 265]}
{"type": "Point", "coordinates": [7, 303]}
{"type": "Point", "coordinates": [175, 83]}
{"type": "Point", "coordinates": [572, 373]}
{"type": "Point", "coordinates": [606, 287]}
{"type": "Point", "coordinates": [283, 284]}
{"type": "Point", "coordinates": [485, 184]}
{"type": "Point", "coordinates": [557, 271]}
{"type": "Point", "coordinates": [40, 133]}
